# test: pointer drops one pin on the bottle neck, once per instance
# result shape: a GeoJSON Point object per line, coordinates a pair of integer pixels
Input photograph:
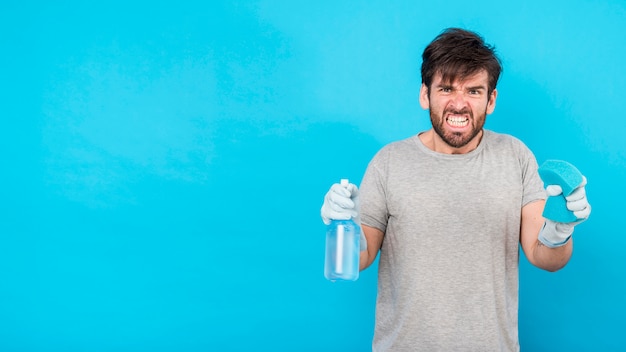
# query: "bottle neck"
{"type": "Point", "coordinates": [337, 222]}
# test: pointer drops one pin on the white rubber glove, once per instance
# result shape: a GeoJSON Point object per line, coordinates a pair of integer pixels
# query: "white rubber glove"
{"type": "Point", "coordinates": [342, 203]}
{"type": "Point", "coordinates": [556, 234]}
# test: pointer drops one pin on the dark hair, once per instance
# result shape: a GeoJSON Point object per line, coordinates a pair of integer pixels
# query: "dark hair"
{"type": "Point", "coordinates": [458, 53]}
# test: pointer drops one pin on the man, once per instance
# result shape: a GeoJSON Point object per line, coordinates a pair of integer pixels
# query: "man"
{"type": "Point", "coordinates": [448, 209]}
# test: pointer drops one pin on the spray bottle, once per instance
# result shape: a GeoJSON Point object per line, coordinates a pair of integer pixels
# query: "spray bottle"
{"type": "Point", "coordinates": [342, 249]}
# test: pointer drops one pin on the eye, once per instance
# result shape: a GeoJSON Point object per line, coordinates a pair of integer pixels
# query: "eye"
{"type": "Point", "coordinates": [474, 92]}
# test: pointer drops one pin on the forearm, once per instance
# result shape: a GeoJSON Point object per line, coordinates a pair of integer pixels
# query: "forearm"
{"type": "Point", "coordinates": [365, 260]}
{"type": "Point", "coordinates": [552, 259]}
{"type": "Point", "coordinates": [538, 253]}
{"type": "Point", "coordinates": [374, 238]}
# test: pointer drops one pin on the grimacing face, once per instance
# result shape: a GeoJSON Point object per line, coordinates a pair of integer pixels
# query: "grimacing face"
{"type": "Point", "coordinates": [458, 109]}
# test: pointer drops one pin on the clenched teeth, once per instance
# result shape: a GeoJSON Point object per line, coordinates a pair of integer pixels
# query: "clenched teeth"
{"type": "Point", "coordinates": [458, 121]}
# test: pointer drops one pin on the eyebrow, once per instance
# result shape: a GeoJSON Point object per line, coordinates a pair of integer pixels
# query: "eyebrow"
{"type": "Point", "coordinates": [443, 85]}
{"type": "Point", "coordinates": [447, 85]}
{"type": "Point", "coordinates": [477, 88]}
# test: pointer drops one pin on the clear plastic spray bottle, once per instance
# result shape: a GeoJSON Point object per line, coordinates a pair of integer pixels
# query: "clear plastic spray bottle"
{"type": "Point", "coordinates": [342, 249]}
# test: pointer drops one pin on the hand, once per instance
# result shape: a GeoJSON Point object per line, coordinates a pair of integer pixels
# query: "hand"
{"type": "Point", "coordinates": [556, 234]}
{"type": "Point", "coordinates": [341, 203]}
{"type": "Point", "coordinates": [576, 202]}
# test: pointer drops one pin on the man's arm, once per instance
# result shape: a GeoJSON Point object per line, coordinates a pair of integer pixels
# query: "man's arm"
{"type": "Point", "coordinates": [374, 239]}
{"type": "Point", "coordinates": [551, 259]}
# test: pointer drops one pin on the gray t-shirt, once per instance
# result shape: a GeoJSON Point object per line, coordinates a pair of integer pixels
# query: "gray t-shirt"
{"type": "Point", "coordinates": [448, 269]}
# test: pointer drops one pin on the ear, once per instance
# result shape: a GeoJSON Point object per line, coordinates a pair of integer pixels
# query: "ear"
{"type": "Point", "coordinates": [424, 100]}
{"type": "Point", "coordinates": [491, 104]}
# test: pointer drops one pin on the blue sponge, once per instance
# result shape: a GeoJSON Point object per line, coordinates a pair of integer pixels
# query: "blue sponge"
{"type": "Point", "coordinates": [566, 175]}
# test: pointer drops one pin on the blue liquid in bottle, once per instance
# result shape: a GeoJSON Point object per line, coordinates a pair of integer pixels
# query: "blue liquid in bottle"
{"type": "Point", "coordinates": [342, 250]}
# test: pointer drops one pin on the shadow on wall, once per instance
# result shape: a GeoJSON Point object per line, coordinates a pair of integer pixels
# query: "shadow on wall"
{"type": "Point", "coordinates": [213, 261]}
{"type": "Point", "coordinates": [268, 183]}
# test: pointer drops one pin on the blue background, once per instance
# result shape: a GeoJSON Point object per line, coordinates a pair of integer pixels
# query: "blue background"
{"type": "Point", "coordinates": [163, 164]}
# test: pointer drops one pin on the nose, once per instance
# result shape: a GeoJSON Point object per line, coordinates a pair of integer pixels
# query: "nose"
{"type": "Point", "coordinates": [457, 100]}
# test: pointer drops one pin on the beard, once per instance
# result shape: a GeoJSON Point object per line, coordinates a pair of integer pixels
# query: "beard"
{"type": "Point", "coordinates": [457, 139]}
